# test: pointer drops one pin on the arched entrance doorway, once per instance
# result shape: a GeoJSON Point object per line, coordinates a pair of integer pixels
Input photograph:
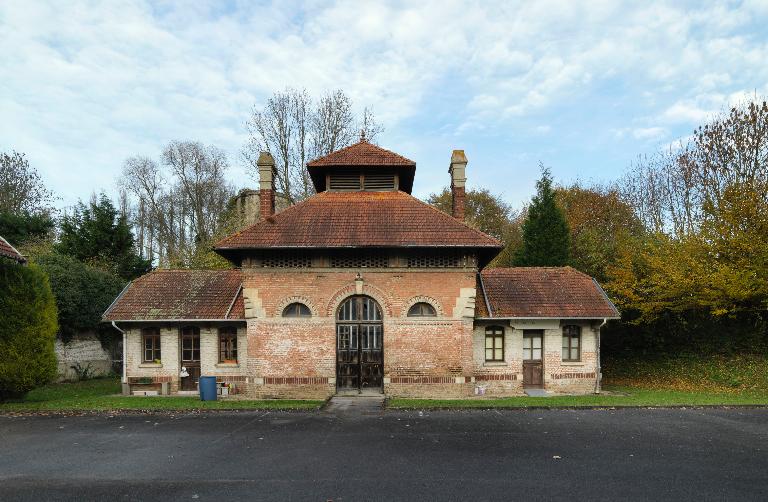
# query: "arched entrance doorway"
{"type": "Point", "coordinates": [359, 344]}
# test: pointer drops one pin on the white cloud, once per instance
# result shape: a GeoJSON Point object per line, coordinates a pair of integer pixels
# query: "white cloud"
{"type": "Point", "coordinates": [649, 133]}
{"type": "Point", "coordinates": [84, 85]}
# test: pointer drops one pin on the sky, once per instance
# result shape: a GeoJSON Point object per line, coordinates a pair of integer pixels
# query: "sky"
{"type": "Point", "coordinates": [581, 87]}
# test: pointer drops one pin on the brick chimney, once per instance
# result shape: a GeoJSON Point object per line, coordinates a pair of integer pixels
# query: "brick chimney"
{"type": "Point", "coordinates": [267, 172]}
{"type": "Point", "coordinates": [458, 171]}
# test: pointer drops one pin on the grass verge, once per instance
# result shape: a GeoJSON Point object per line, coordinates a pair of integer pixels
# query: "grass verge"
{"type": "Point", "coordinates": [102, 394]}
{"type": "Point", "coordinates": [616, 397]}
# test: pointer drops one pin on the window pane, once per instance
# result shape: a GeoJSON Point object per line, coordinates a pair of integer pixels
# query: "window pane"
{"type": "Point", "coordinates": [488, 342]}
{"type": "Point", "coordinates": [526, 353]}
{"type": "Point", "coordinates": [537, 342]}
{"type": "Point", "coordinates": [499, 355]}
{"type": "Point", "coordinates": [488, 354]}
{"type": "Point", "coordinates": [575, 341]}
{"type": "Point", "coordinates": [565, 353]}
{"type": "Point", "coordinates": [565, 342]}
{"type": "Point", "coordinates": [537, 353]}
{"type": "Point", "coordinates": [575, 354]}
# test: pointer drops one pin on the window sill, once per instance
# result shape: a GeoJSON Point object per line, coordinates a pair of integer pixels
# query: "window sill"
{"type": "Point", "coordinates": [491, 364]}
{"type": "Point", "coordinates": [227, 365]}
{"type": "Point", "coordinates": [151, 365]}
{"type": "Point", "coordinates": [571, 363]}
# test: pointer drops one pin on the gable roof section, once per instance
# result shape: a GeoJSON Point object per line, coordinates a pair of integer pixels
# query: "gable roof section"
{"type": "Point", "coordinates": [175, 295]}
{"type": "Point", "coordinates": [361, 154]}
{"type": "Point", "coordinates": [541, 292]}
{"type": "Point", "coordinates": [8, 251]}
{"type": "Point", "coordinates": [359, 219]}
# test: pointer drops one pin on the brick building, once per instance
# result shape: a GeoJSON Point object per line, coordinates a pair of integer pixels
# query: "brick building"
{"type": "Point", "coordinates": [362, 287]}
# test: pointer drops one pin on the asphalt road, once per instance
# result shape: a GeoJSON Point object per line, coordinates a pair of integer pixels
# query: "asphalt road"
{"type": "Point", "coordinates": [711, 454]}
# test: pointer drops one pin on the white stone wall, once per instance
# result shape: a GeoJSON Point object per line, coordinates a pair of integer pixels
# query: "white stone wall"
{"type": "Point", "coordinates": [85, 350]}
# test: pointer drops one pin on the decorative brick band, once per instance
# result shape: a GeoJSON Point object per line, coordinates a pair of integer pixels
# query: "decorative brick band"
{"type": "Point", "coordinates": [295, 380]}
{"type": "Point", "coordinates": [561, 376]}
{"type": "Point", "coordinates": [149, 380]}
{"type": "Point", "coordinates": [425, 379]}
{"type": "Point", "coordinates": [499, 377]}
{"type": "Point", "coordinates": [231, 378]}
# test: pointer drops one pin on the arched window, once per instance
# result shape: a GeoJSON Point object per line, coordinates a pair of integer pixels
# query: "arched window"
{"type": "Point", "coordinates": [297, 310]}
{"type": "Point", "coordinates": [228, 344]}
{"type": "Point", "coordinates": [494, 343]}
{"type": "Point", "coordinates": [150, 341]}
{"type": "Point", "coordinates": [422, 309]}
{"type": "Point", "coordinates": [571, 343]}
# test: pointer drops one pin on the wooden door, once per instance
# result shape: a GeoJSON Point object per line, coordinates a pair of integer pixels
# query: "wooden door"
{"type": "Point", "coordinates": [190, 357]}
{"type": "Point", "coordinates": [533, 367]}
{"type": "Point", "coordinates": [359, 345]}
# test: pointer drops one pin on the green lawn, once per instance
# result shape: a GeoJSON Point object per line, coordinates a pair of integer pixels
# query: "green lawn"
{"type": "Point", "coordinates": [103, 395]}
{"type": "Point", "coordinates": [614, 397]}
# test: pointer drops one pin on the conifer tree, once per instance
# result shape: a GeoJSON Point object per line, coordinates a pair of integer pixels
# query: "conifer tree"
{"type": "Point", "coordinates": [98, 235]}
{"type": "Point", "coordinates": [546, 237]}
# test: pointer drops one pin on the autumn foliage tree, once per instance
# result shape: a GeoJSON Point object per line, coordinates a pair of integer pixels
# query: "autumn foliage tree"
{"type": "Point", "coordinates": [600, 222]}
{"type": "Point", "coordinates": [488, 213]}
{"type": "Point", "coordinates": [706, 206]}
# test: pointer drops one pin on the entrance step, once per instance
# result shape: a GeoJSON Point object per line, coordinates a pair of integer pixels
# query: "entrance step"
{"type": "Point", "coordinates": [537, 392]}
{"type": "Point", "coordinates": [355, 406]}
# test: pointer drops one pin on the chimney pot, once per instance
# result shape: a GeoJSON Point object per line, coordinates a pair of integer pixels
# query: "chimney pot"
{"type": "Point", "coordinates": [267, 173]}
{"type": "Point", "coordinates": [458, 170]}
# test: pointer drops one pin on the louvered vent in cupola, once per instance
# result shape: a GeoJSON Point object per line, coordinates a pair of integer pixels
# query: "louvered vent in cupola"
{"type": "Point", "coordinates": [372, 182]}
{"type": "Point", "coordinates": [379, 182]}
{"type": "Point", "coordinates": [344, 182]}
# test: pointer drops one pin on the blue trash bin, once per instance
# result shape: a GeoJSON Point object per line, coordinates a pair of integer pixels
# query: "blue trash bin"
{"type": "Point", "coordinates": [207, 388]}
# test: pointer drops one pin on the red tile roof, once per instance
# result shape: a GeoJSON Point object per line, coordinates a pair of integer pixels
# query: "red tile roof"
{"type": "Point", "coordinates": [8, 251]}
{"type": "Point", "coordinates": [359, 219]}
{"type": "Point", "coordinates": [541, 292]}
{"type": "Point", "coordinates": [180, 295]}
{"type": "Point", "coordinates": [362, 154]}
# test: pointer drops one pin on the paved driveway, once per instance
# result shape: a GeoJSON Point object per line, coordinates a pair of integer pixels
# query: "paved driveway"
{"type": "Point", "coordinates": [464, 455]}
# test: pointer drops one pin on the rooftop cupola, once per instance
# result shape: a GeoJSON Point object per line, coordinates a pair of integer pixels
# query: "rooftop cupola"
{"type": "Point", "coordinates": [362, 167]}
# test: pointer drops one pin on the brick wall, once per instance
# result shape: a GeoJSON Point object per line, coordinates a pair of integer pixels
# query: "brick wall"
{"type": "Point", "coordinates": [169, 367]}
{"type": "Point", "coordinates": [303, 348]}
{"type": "Point", "coordinates": [498, 378]}
{"type": "Point", "coordinates": [559, 376]}
{"type": "Point", "coordinates": [436, 357]}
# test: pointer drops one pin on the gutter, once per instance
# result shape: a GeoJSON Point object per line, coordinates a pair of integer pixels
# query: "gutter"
{"type": "Point", "coordinates": [125, 350]}
{"type": "Point", "coordinates": [599, 369]}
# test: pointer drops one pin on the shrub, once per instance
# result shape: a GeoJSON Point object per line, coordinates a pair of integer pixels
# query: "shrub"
{"type": "Point", "coordinates": [82, 293]}
{"type": "Point", "coordinates": [27, 330]}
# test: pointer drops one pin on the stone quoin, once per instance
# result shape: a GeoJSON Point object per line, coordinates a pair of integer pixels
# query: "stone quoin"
{"type": "Point", "coordinates": [362, 288]}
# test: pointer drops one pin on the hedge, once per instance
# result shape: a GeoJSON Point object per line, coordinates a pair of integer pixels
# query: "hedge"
{"type": "Point", "coordinates": [28, 325]}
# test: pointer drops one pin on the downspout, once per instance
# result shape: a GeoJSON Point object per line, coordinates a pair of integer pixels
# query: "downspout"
{"type": "Point", "coordinates": [125, 342]}
{"type": "Point", "coordinates": [599, 369]}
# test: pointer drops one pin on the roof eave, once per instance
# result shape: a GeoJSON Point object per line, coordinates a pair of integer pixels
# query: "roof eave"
{"type": "Point", "coordinates": [174, 320]}
{"type": "Point", "coordinates": [540, 318]}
